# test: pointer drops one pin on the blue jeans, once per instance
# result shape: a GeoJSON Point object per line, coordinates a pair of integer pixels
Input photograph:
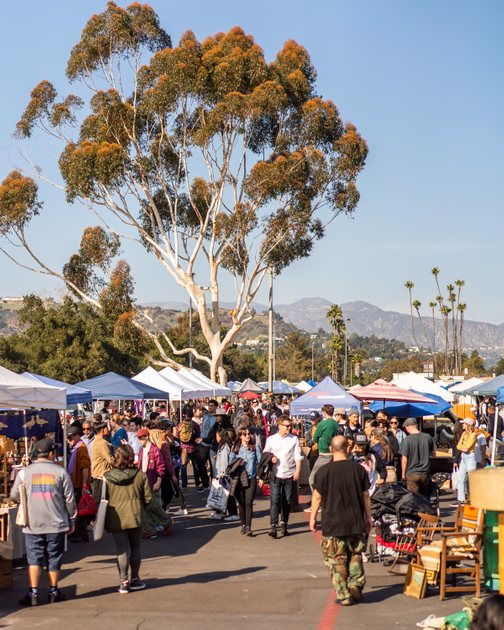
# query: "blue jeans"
{"type": "Point", "coordinates": [45, 548]}
{"type": "Point", "coordinates": [467, 463]}
{"type": "Point", "coordinates": [280, 495]}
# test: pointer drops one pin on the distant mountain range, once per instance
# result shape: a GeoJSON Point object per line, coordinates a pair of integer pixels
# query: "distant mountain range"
{"type": "Point", "coordinates": [366, 319]}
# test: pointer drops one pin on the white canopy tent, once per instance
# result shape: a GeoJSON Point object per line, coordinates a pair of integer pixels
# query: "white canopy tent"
{"type": "Point", "coordinates": [196, 389]}
{"type": "Point", "coordinates": [417, 382]}
{"type": "Point", "coordinates": [20, 392]}
{"type": "Point", "coordinates": [459, 388]}
{"type": "Point", "coordinates": [303, 386]}
{"type": "Point", "coordinates": [152, 377]}
{"type": "Point", "coordinates": [217, 389]}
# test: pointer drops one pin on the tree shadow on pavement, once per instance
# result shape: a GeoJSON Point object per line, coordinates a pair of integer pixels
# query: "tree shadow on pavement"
{"type": "Point", "coordinates": [198, 578]}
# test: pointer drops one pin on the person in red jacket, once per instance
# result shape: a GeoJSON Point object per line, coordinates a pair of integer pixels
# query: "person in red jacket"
{"type": "Point", "coordinates": [150, 462]}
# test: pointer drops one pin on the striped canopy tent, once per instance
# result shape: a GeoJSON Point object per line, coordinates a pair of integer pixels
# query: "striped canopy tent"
{"type": "Point", "coordinates": [382, 390]}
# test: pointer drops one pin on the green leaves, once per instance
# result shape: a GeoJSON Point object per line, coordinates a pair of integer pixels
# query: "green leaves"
{"type": "Point", "coordinates": [18, 202]}
{"type": "Point", "coordinates": [116, 31]}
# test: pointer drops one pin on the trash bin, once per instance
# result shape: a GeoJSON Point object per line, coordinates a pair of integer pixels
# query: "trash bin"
{"type": "Point", "coordinates": [491, 551]}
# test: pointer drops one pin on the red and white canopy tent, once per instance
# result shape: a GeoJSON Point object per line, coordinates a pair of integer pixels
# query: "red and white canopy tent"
{"type": "Point", "coordinates": [382, 390]}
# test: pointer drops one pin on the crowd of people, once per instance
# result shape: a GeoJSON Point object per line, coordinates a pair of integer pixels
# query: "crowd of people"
{"type": "Point", "coordinates": [141, 465]}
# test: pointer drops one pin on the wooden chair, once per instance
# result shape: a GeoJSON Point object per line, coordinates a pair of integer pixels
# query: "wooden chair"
{"type": "Point", "coordinates": [457, 552]}
{"type": "Point", "coordinates": [407, 544]}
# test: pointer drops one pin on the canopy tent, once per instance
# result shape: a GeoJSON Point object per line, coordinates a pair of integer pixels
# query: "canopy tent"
{"type": "Point", "coordinates": [249, 385]}
{"type": "Point", "coordinates": [280, 388]}
{"type": "Point", "coordinates": [112, 386]}
{"type": "Point", "coordinates": [488, 388]}
{"type": "Point", "coordinates": [303, 386]}
{"type": "Point", "coordinates": [216, 388]}
{"type": "Point", "coordinates": [74, 395]}
{"type": "Point", "coordinates": [311, 382]}
{"type": "Point", "coordinates": [234, 386]}
{"type": "Point", "coordinates": [190, 384]}
{"type": "Point", "coordinates": [381, 390]}
{"type": "Point", "coordinates": [20, 392]}
{"type": "Point", "coordinates": [418, 383]}
{"type": "Point", "coordinates": [250, 395]}
{"type": "Point", "coordinates": [412, 409]}
{"type": "Point", "coordinates": [152, 377]}
{"type": "Point", "coordinates": [327, 392]}
{"type": "Point", "coordinates": [460, 388]}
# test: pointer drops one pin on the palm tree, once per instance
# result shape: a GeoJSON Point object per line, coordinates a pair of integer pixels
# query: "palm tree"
{"type": "Point", "coordinates": [461, 308]}
{"type": "Point", "coordinates": [452, 299]}
{"type": "Point", "coordinates": [445, 311]}
{"type": "Point", "coordinates": [416, 305]}
{"type": "Point", "coordinates": [432, 306]}
{"type": "Point", "coordinates": [336, 320]}
{"type": "Point", "coordinates": [459, 284]}
{"type": "Point", "coordinates": [410, 286]}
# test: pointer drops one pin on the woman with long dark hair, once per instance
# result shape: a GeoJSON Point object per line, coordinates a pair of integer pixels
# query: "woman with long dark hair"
{"type": "Point", "coordinates": [245, 448]}
{"type": "Point", "coordinates": [128, 493]}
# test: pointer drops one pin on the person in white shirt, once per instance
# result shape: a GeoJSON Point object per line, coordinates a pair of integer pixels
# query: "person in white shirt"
{"type": "Point", "coordinates": [287, 458]}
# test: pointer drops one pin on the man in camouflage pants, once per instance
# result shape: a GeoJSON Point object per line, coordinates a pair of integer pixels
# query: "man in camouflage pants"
{"type": "Point", "coordinates": [341, 488]}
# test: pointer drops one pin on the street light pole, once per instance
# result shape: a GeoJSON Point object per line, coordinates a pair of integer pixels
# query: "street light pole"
{"type": "Point", "coordinates": [346, 354]}
{"type": "Point", "coordinates": [313, 337]}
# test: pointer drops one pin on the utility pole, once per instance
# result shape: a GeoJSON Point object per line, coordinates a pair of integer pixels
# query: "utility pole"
{"type": "Point", "coordinates": [313, 337]}
{"type": "Point", "coordinates": [270, 332]}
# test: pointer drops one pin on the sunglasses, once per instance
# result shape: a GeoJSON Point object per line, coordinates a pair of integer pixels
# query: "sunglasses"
{"type": "Point", "coordinates": [287, 426]}
{"type": "Point", "coordinates": [394, 424]}
{"type": "Point", "coordinates": [86, 428]}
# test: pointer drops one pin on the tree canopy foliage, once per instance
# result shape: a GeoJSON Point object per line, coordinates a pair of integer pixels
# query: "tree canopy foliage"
{"type": "Point", "coordinates": [204, 150]}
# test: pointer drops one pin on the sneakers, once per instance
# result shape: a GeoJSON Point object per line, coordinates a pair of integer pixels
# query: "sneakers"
{"type": "Point", "coordinates": [124, 587]}
{"type": "Point", "coordinates": [181, 512]}
{"type": "Point", "coordinates": [273, 532]}
{"type": "Point", "coordinates": [30, 599]}
{"type": "Point", "coordinates": [343, 602]}
{"type": "Point", "coordinates": [216, 517]}
{"type": "Point", "coordinates": [243, 529]}
{"type": "Point", "coordinates": [136, 584]}
{"type": "Point", "coordinates": [231, 518]}
{"type": "Point", "coordinates": [248, 532]}
{"type": "Point", "coordinates": [307, 509]}
{"type": "Point", "coordinates": [202, 489]}
{"type": "Point", "coordinates": [148, 536]}
{"type": "Point", "coordinates": [55, 596]}
{"type": "Point", "coordinates": [166, 531]}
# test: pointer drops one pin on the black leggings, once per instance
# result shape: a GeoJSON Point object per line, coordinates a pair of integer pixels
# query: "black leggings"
{"type": "Point", "coordinates": [245, 500]}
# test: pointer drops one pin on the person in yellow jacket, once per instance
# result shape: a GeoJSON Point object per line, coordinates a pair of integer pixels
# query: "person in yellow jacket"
{"type": "Point", "coordinates": [467, 445]}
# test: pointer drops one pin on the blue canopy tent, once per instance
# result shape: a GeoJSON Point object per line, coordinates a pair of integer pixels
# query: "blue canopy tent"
{"type": "Point", "coordinates": [234, 386]}
{"type": "Point", "coordinates": [279, 387]}
{"type": "Point", "coordinates": [112, 386]}
{"type": "Point", "coordinates": [75, 395]}
{"type": "Point", "coordinates": [327, 392]}
{"type": "Point", "coordinates": [489, 388]}
{"type": "Point", "coordinates": [412, 409]}
{"type": "Point", "coordinates": [499, 399]}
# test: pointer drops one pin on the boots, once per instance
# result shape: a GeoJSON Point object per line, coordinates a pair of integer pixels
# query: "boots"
{"type": "Point", "coordinates": [283, 529]}
{"type": "Point", "coordinates": [273, 531]}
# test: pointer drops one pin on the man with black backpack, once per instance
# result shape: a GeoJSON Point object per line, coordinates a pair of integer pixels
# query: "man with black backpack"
{"type": "Point", "coordinates": [204, 445]}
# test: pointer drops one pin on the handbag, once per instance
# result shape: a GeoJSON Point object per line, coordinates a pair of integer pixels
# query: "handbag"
{"type": "Point", "coordinates": [86, 507]}
{"type": "Point", "coordinates": [99, 528]}
{"type": "Point", "coordinates": [218, 496]}
{"type": "Point", "coordinates": [22, 513]}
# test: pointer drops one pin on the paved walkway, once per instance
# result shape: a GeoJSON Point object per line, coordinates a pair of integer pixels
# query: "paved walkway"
{"type": "Point", "coordinates": [206, 575]}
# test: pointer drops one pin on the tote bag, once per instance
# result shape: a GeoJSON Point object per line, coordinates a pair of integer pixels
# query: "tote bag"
{"type": "Point", "coordinates": [22, 513]}
{"type": "Point", "coordinates": [99, 528]}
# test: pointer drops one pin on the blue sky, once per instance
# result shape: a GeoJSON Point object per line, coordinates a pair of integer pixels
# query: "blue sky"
{"type": "Point", "coordinates": [423, 82]}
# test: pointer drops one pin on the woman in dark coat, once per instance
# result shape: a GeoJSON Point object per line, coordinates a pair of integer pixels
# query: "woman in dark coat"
{"type": "Point", "coordinates": [128, 493]}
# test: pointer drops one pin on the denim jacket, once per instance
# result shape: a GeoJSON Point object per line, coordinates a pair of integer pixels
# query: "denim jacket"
{"type": "Point", "coordinates": [251, 459]}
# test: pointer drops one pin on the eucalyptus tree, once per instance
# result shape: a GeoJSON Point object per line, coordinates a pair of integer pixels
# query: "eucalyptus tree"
{"type": "Point", "coordinates": [216, 161]}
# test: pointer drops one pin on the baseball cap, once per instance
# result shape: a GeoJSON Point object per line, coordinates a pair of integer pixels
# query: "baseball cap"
{"type": "Point", "coordinates": [339, 411]}
{"type": "Point", "coordinates": [353, 410]}
{"type": "Point", "coordinates": [314, 415]}
{"type": "Point", "coordinates": [361, 438]}
{"type": "Point", "coordinates": [468, 421]}
{"type": "Point", "coordinates": [44, 447]}
{"type": "Point", "coordinates": [73, 430]}
{"type": "Point", "coordinates": [143, 432]}
{"type": "Point", "coordinates": [410, 422]}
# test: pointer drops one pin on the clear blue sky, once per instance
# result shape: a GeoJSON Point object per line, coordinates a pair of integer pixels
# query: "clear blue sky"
{"type": "Point", "coordinates": [423, 82]}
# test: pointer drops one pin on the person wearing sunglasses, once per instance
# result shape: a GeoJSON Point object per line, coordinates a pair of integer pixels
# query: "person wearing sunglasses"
{"type": "Point", "coordinates": [88, 435]}
{"type": "Point", "coordinates": [398, 433]}
{"type": "Point", "coordinates": [286, 460]}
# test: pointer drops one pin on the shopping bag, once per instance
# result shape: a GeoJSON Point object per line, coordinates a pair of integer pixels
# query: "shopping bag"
{"type": "Point", "coordinates": [86, 507]}
{"type": "Point", "coordinates": [22, 512]}
{"type": "Point", "coordinates": [218, 495]}
{"type": "Point", "coordinates": [454, 479]}
{"type": "Point", "coordinates": [99, 527]}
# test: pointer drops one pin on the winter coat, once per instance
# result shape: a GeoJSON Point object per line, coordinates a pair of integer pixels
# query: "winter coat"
{"type": "Point", "coordinates": [128, 491]}
{"type": "Point", "coordinates": [265, 468]}
{"type": "Point", "coordinates": [238, 475]}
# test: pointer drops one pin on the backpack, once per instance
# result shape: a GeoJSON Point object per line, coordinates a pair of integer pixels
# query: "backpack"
{"type": "Point", "coordinates": [186, 431]}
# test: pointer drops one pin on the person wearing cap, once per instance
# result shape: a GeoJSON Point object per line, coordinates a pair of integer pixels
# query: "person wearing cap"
{"type": "Point", "coordinates": [353, 425]}
{"type": "Point", "coordinates": [88, 435]}
{"type": "Point", "coordinates": [415, 458]}
{"type": "Point", "coordinates": [150, 462]}
{"type": "Point", "coordinates": [370, 461]}
{"type": "Point", "coordinates": [51, 514]}
{"type": "Point", "coordinates": [327, 428]}
{"type": "Point", "coordinates": [466, 446]}
{"type": "Point", "coordinates": [79, 469]}
{"type": "Point", "coordinates": [342, 490]}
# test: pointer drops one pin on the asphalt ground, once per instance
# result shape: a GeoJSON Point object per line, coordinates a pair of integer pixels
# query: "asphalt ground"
{"type": "Point", "coordinates": [206, 575]}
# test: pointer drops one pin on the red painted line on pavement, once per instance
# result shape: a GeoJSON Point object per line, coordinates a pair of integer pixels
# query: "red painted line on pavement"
{"type": "Point", "coordinates": [331, 610]}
